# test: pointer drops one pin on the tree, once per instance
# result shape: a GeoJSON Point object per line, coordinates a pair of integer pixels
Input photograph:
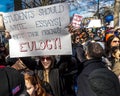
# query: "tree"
{"type": "Point", "coordinates": [116, 13]}
{"type": "Point", "coordinates": [25, 4]}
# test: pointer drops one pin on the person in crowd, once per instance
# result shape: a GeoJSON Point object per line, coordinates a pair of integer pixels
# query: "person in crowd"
{"type": "Point", "coordinates": [104, 83]}
{"type": "Point", "coordinates": [117, 30]}
{"type": "Point", "coordinates": [84, 36]}
{"type": "Point", "coordinates": [96, 38]}
{"type": "Point", "coordinates": [94, 53]}
{"type": "Point", "coordinates": [58, 77]}
{"type": "Point", "coordinates": [51, 76]}
{"type": "Point", "coordinates": [111, 41]}
{"type": "Point", "coordinates": [91, 35]}
{"type": "Point", "coordinates": [33, 84]}
{"type": "Point", "coordinates": [68, 67]}
{"type": "Point", "coordinates": [76, 44]}
{"type": "Point", "coordinates": [11, 82]}
{"type": "Point", "coordinates": [115, 54]}
{"type": "Point", "coordinates": [71, 28]}
{"type": "Point", "coordinates": [77, 47]}
{"type": "Point", "coordinates": [76, 39]}
{"type": "Point", "coordinates": [115, 60]}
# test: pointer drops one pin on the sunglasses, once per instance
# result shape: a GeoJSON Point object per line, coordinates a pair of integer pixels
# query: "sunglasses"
{"type": "Point", "coordinates": [47, 58]}
{"type": "Point", "coordinates": [116, 41]}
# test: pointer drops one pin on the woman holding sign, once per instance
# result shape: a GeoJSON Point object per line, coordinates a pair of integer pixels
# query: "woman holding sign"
{"type": "Point", "coordinates": [51, 76]}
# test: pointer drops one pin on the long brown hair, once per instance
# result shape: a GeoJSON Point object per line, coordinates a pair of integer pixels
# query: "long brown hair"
{"type": "Point", "coordinates": [34, 79]}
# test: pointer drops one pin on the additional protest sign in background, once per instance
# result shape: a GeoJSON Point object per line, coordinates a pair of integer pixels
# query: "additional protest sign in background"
{"type": "Point", "coordinates": [94, 23]}
{"type": "Point", "coordinates": [39, 31]}
{"type": "Point", "coordinates": [76, 20]}
{"type": "Point", "coordinates": [111, 24]}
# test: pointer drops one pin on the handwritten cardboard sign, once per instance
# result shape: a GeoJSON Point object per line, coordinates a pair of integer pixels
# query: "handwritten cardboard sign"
{"type": "Point", "coordinates": [39, 31]}
{"type": "Point", "coordinates": [77, 20]}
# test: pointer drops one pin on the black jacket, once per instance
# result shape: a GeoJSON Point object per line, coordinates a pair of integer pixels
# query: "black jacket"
{"type": "Point", "coordinates": [82, 81]}
{"type": "Point", "coordinates": [55, 81]}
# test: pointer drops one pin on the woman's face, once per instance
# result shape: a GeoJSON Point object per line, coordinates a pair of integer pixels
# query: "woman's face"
{"type": "Point", "coordinates": [115, 42]}
{"type": "Point", "coordinates": [30, 88]}
{"type": "Point", "coordinates": [46, 61]}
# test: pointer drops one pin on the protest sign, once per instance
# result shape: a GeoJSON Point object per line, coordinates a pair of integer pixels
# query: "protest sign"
{"type": "Point", "coordinates": [77, 20]}
{"type": "Point", "coordinates": [94, 23]}
{"type": "Point", "coordinates": [39, 31]}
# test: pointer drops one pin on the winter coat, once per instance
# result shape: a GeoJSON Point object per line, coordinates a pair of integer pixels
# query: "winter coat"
{"type": "Point", "coordinates": [55, 80]}
{"type": "Point", "coordinates": [82, 81]}
{"type": "Point", "coordinates": [68, 68]}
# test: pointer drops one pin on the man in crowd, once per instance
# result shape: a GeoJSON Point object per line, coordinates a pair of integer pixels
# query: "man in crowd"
{"type": "Point", "coordinates": [86, 84]}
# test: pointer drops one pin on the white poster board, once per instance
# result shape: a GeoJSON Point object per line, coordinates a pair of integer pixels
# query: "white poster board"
{"type": "Point", "coordinates": [94, 23]}
{"type": "Point", "coordinates": [111, 24]}
{"type": "Point", "coordinates": [39, 31]}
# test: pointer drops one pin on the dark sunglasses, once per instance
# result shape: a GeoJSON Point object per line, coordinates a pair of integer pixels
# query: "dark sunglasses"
{"type": "Point", "coordinates": [47, 58]}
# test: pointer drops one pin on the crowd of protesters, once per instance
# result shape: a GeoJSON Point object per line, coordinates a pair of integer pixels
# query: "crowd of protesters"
{"type": "Point", "coordinates": [93, 69]}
